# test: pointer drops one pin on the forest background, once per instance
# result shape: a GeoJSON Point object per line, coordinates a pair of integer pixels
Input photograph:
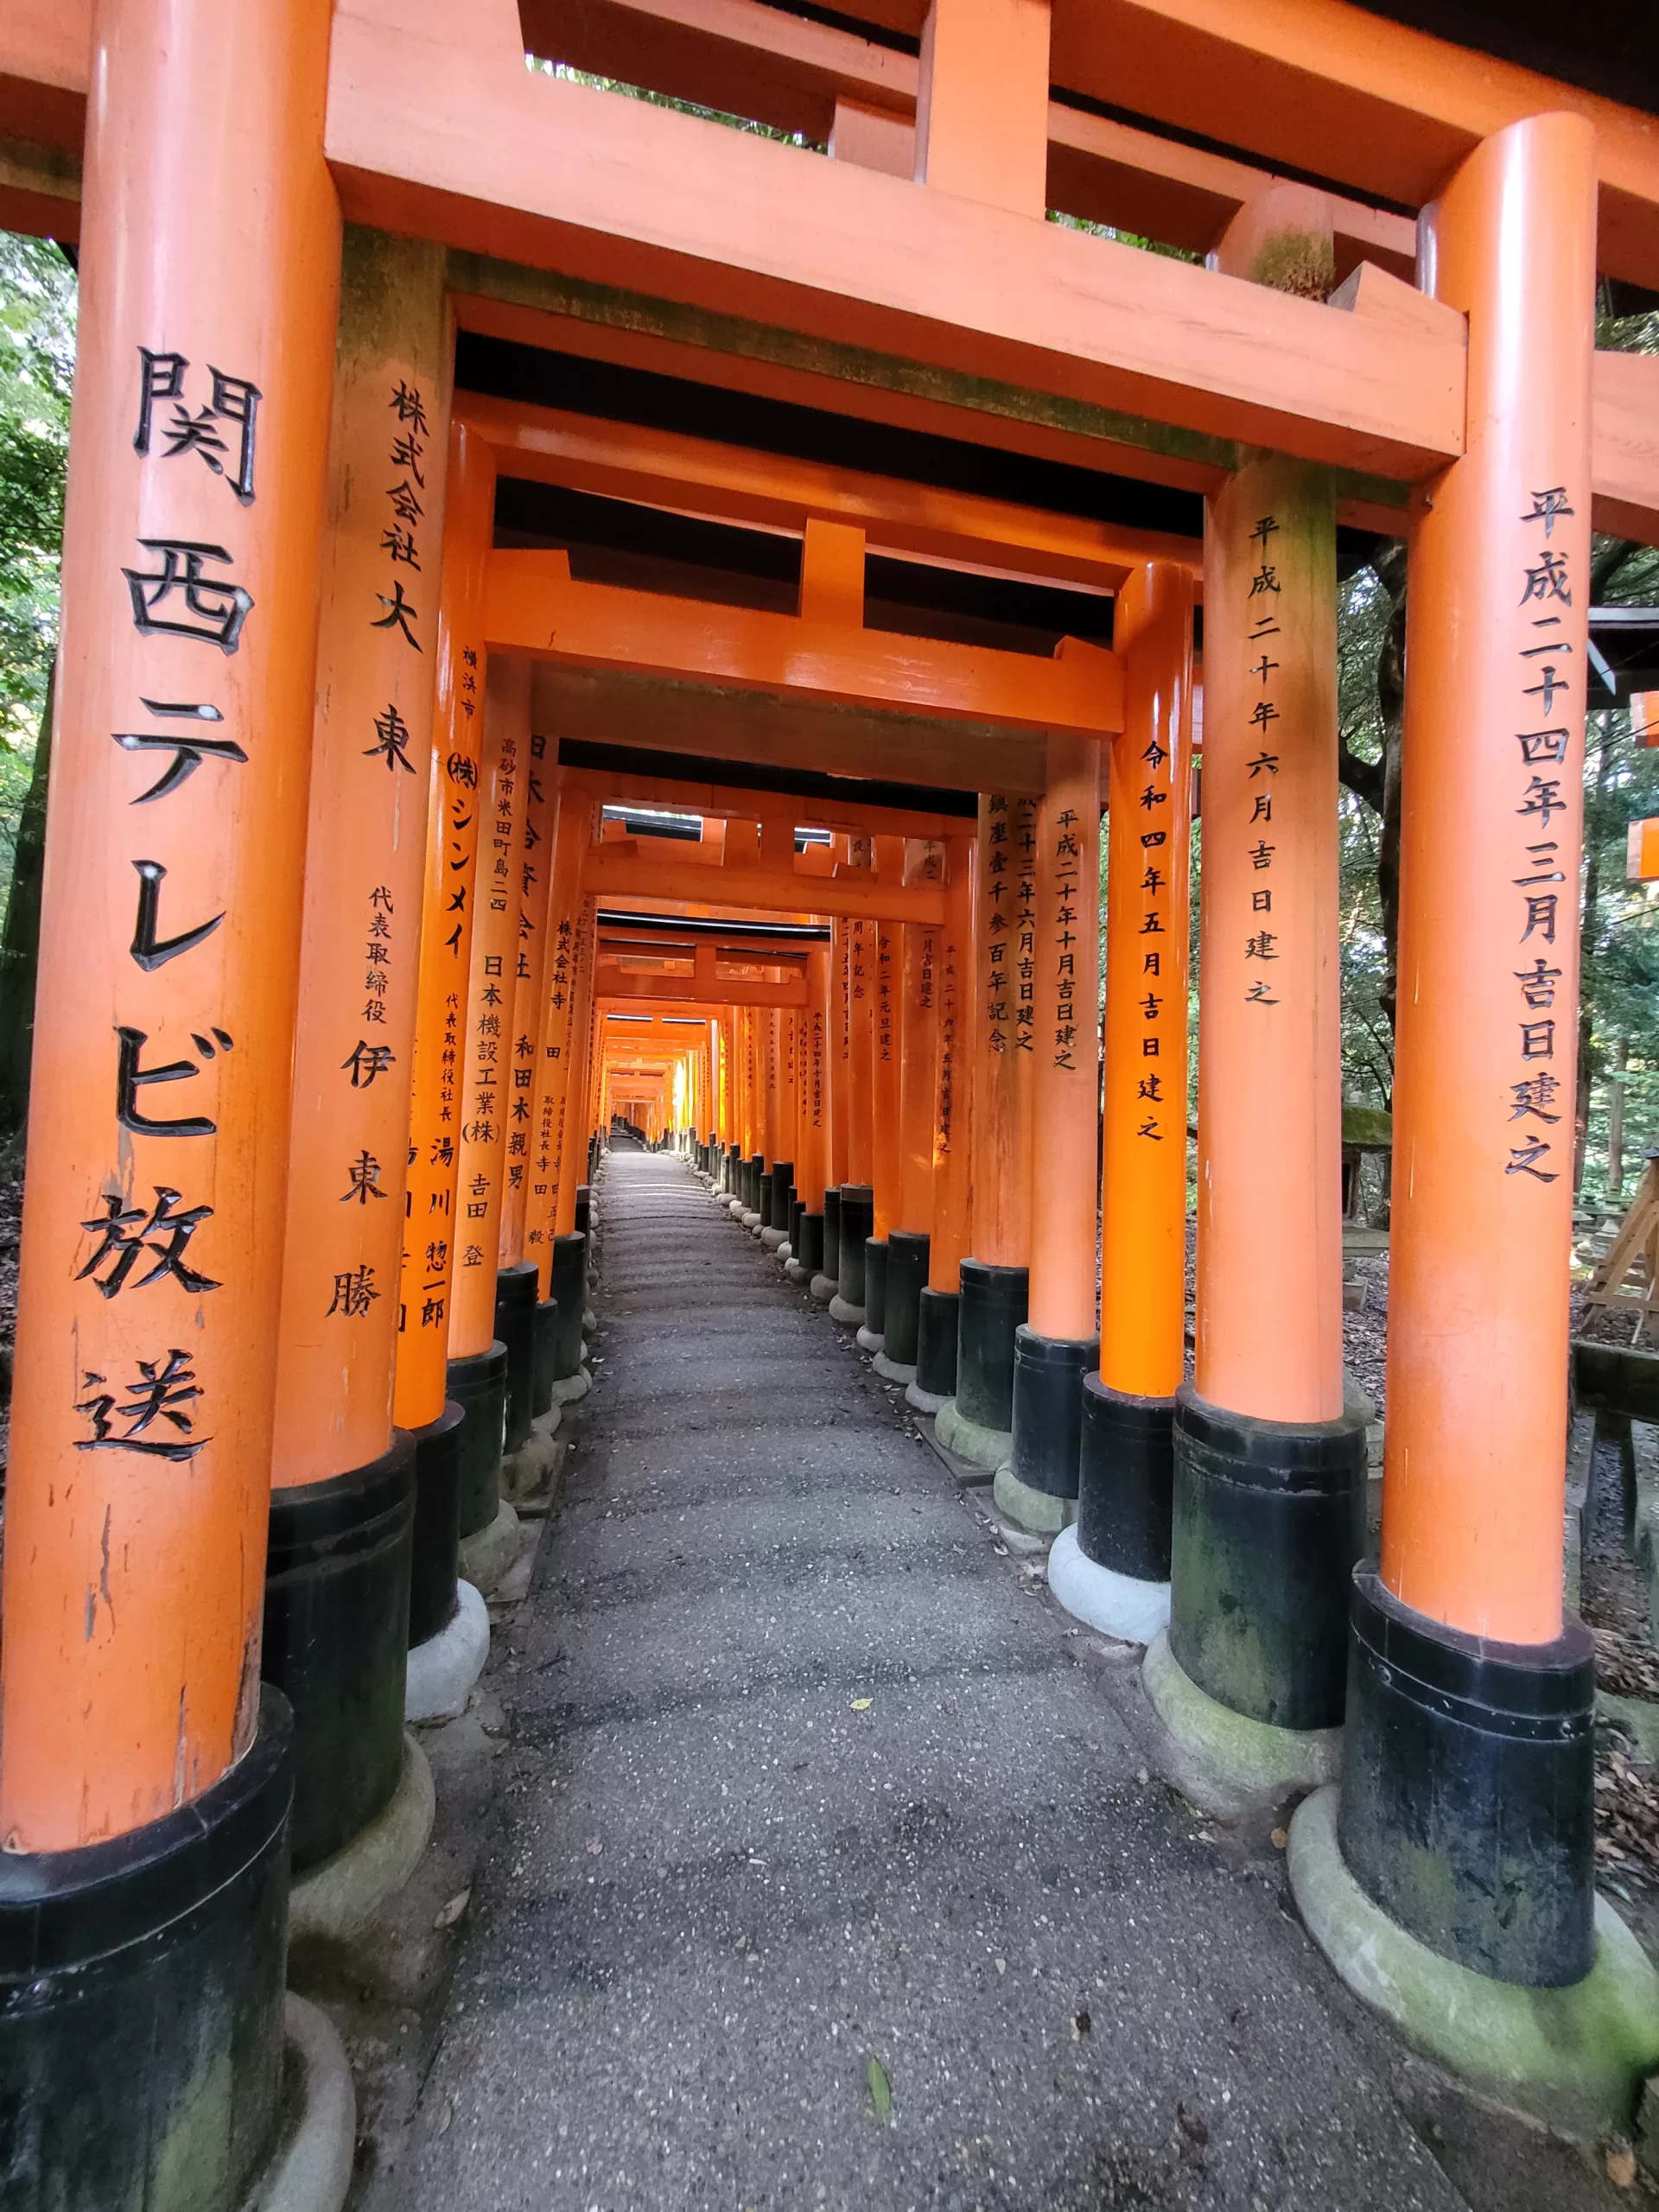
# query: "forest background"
{"type": "Point", "coordinates": [1619, 1033]}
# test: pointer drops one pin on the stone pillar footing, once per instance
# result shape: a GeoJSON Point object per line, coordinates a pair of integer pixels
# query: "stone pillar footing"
{"type": "Point", "coordinates": [969, 1440]}
{"type": "Point", "coordinates": [335, 1900]}
{"type": "Point", "coordinates": [850, 1317]}
{"type": "Point", "coordinates": [868, 1339]}
{"type": "Point", "coordinates": [1268, 1522]}
{"type": "Point", "coordinates": [1222, 1761]}
{"type": "Point", "coordinates": [1033, 1512]}
{"type": "Point", "coordinates": [894, 1370]}
{"type": "Point", "coordinates": [486, 1557]}
{"type": "Point", "coordinates": [336, 1642]}
{"type": "Point", "coordinates": [1115, 1605]}
{"type": "Point", "coordinates": [1126, 1474]}
{"type": "Point", "coordinates": [440, 1671]}
{"type": "Point", "coordinates": [310, 2165]}
{"type": "Point", "coordinates": [153, 1968]}
{"type": "Point", "coordinates": [1573, 2058]}
{"type": "Point", "coordinates": [1468, 1800]}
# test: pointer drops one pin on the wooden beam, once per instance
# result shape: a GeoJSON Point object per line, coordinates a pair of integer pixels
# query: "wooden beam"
{"type": "Point", "coordinates": [436, 127]}
{"type": "Point", "coordinates": [532, 607]}
{"type": "Point", "coordinates": [623, 870]}
{"type": "Point", "coordinates": [736, 802]}
{"type": "Point", "coordinates": [696, 475]}
{"type": "Point", "coordinates": [618, 982]}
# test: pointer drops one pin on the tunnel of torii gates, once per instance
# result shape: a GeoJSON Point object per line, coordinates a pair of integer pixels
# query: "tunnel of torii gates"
{"type": "Point", "coordinates": [573, 611]}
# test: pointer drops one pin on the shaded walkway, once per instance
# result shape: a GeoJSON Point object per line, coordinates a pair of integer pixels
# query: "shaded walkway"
{"type": "Point", "coordinates": [721, 1886]}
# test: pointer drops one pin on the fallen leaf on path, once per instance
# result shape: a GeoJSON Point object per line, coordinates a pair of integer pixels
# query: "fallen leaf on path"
{"type": "Point", "coordinates": [1621, 2166]}
{"type": "Point", "coordinates": [862, 1704]}
{"type": "Point", "coordinates": [1280, 1838]}
{"type": "Point", "coordinates": [449, 1914]}
{"type": "Point", "coordinates": [881, 2095]}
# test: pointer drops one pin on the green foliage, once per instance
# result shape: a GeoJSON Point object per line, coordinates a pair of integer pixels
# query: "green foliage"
{"type": "Point", "coordinates": [37, 360]}
{"type": "Point", "coordinates": [1364, 609]}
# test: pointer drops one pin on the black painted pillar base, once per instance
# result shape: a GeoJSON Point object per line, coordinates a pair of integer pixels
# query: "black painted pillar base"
{"type": "Point", "coordinates": [1268, 1523]}
{"type": "Point", "coordinates": [857, 1220]}
{"type": "Point", "coordinates": [479, 1386]}
{"type": "Point", "coordinates": [873, 1334]}
{"type": "Point", "coordinates": [993, 1308]}
{"type": "Point", "coordinates": [757, 1176]}
{"type": "Point", "coordinates": [569, 1276]}
{"type": "Point", "coordinates": [141, 2001]}
{"type": "Point", "coordinates": [908, 1250]}
{"type": "Point", "coordinates": [935, 1350]}
{"type": "Point", "coordinates": [515, 1327]}
{"type": "Point", "coordinates": [764, 1198]}
{"type": "Point", "coordinates": [806, 1253]}
{"type": "Point", "coordinates": [783, 1181]}
{"type": "Point", "coordinates": [830, 1260]}
{"type": "Point", "coordinates": [584, 1208]}
{"type": "Point", "coordinates": [1468, 1788]}
{"type": "Point", "coordinates": [796, 1210]}
{"type": "Point", "coordinates": [1126, 1474]}
{"type": "Point", "coordinates": [1048, 1374]}
{"type": "Point", "coordinates": [436, 1541]}
{"type": "Point", "coordinates": [545, 1356]}
{"type": "Point", "coordinates": [336, 1642]}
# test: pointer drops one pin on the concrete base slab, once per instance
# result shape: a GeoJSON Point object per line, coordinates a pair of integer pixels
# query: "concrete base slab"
{"type": "Point", "coordinates": [892, 1370]}
{"type": "Point", "coordinates": [441, 1671]}
{"type": "Point", "coordinates": [486, 1557]}
{"type": "Point", "coordinates": [1037, 1512]}
{"type": "Point", "coordinates": [825, 1287]}
{"type": "Point", "coordinates": [772, 1238]}
{"type": "Point", "coordinates": [750, 1219]}
{"type": "Point", "coordinates": [340, 1897]}
{"type": "Point", "coordinates": [526, 1471]}
{"type": "Point", "coordinates": [850, 1317]}
{"type": "Point", "coordinates": [870, 1340]}
{"type": "Point", "coordinates": [734, 1207]}
{"type": "Point", "coordinates": [309, 2168]}
{"type": "Point", "coordinates": [589, 1321]}
{"type": "Point", "coordinates": [785, 1252]}
{"type": "Point", "coordinates": [1222, 1761]}
{"type": "Point", "coordinates": [962, 1471]}
{"type": "Point", "coordinates": [1573, 2059]}
{"type": "Point", "coordinates": [970, 1440]}
{"type": "Point", "coordinates": [796, 1274]}
{"type": "Point", "coordinates": [1116, 1605]}
{"type": "Point", "coordinates": [572, 1387]}
{"type": "Point", "coordinates": [922, 1401]}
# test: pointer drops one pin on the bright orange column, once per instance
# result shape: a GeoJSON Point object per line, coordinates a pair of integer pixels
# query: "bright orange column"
{"type": "Point", "coordinates": [366, 854]}
{"type": "Point", "coordinates": [921, 960]}
{"type": "Point", "coordinates": [1004, 1009]}
{"type": "Point", "coordinates": [812, 1166]}
{"type": "Point", "coordinates": [1143, 1143]}
{"type": "Point", "coordinates": [886, 1141]}
{"type": "Point", "coordinates": [533, 890]}
{"type": "Point", "coordinates": [138, 1488]}
{"type": "Point", "coordinates": [1269, 1267]}
{"type": "Point", "coordinates": [1489, 910]}
{"type": "Point", "coordinates": [1065, 1064]}
{"type": "Point", "coordinates": [454, 801]}
{"type": "Point", "coordinates": [552, 1104]}
{"type": "Point", "coordinates": [581, 1109]}
{"type": "Point", "coordinates": [840, 1104]}
{"type": "Point", "coordinates": [486, 1042]}
{"type": "Point", "coordinates": [861, 1051]}
{"type": "Point", "coordinates": [952, 1079]}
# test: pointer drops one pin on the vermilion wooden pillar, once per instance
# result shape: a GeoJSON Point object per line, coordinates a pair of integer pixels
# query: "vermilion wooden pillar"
{"type": "Point", "coordinates": [1037, 1482]}
{"type": "Point", "coordinates": [908, 1242]}
{"type": "Point", "coordinates": [1113, 1568]}
{"type": "Point", "coordinates": [978, 1424]}
{"type": "Point", "coordinates": [812, 1157]}
{"type": "Point", "coordinates": [139, 1479]}
{"type": "Point", "coordinates": [935, 1378]}
{"type": "Point", "coordinates": [1465, 1816]}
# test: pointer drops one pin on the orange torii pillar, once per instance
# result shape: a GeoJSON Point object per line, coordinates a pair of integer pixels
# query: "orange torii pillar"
{"type": "Point", "coordinates": [1036, 1486]}
{"type": "Point", "coordinates": [1269, 1469]}
{"type": "Point", "coordinates": [571, 1380]}
{"type": "Point", "coordinates": [523, 1319]}
{"type": "Point", "coordinates": [826, 1285]}
{"type": "Point", "coordinates": [813, 1149]}
{"type": "Point", "coordinates": [555, 1108]}
{"type": "Point", "coordinates": [478, 1359]}
{"type": "Point", "coordinates": [1111, 1569]}
{"type": "Point", "coordinates": [440, 1606]}
{"type": "Point", "coordinates": [343, 1479]}
{"type": "Point", "coordinates": [144, 1792]}
{"type": "Point", "coordinates": [908, 1240]}
{"type": "Point", "coordinates": [1466, 1817]}
{"type": "Point", "coordinates": [977, 1424]}
{"type": "Point", "coordinates": [935, 1379]}
{"type": "Point", "coordinates": [886, 1147]}
{"type": "Point", "coordinates": [776, 1238]}
{"type": "Point", "coordinates": [857, 1219]}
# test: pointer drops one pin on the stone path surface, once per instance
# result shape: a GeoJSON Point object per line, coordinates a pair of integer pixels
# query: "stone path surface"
{"type": "Point", "coordinates": [804, 1777]}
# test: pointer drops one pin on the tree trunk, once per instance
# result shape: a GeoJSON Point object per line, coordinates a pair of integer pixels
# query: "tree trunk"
{"type": "Point", "coordinates": [1587, 1069]}
{"type": "Point", "coordinates": [20, 943]}
{"type": "Point", "coordinates": [1616, 1117]}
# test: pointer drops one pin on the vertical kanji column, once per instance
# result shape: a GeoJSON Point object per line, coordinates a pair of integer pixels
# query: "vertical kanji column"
{"type": "Point", "coordinates": [935, 1379]}
{"type": "Point", "coordinates": [554, 1109]}
{"type": "Point", "coordinates": [857, 1220]}
{"type": "Point", "coordinates": [421, 1403]}
{"type": "Point", "coordinates": [1112, 1569]}
{"type": "Point", "coordinates": [1468, 1776]}
{"type": "Point", "coordinates": [826, 1286]}
{"type": "Point", "coordinates": [812, 1162]}
{"type": "Point", "coordinates": [887, 1152]}
{"type": "Point", "coordinates": [1037, 1485]}
{"type": "Point", "coordinates": [908, 1241]}
{"type": "Point", "coordinates": [977, 1424]}
{"type": "Point", "coordinates": [139, 1755]}
{"type": "Point", "coordinates": [336, 1634]}
{"type": "Point", "coordinates": [478, 1359]}
{"type": "Point", "coordinates": [571, 1380]}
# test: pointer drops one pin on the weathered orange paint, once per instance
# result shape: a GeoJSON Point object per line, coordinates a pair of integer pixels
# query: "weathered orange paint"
{"type": "Point", "coordinates": [486, 1035]}
{"type": "Point", "coordinates": [1066, 1072]}
{"type": "Point", "coordinates": [1143, 1134]}
{"type": "Point", "coordinates": [832, 573]}
{"type": "Point", "coordinates": [552, 1092]}
{"type": "Point", "coordinates": [580, 1106]}
{"type": "Point", "coordinates": [366, 851]}
{"type": "Point", "coordinates": [1000, 1006]}
{"type": "Point", "coordinates": [860, 1052]}
{"type": "Point", "coordinates": [981, 102]}
{"type": "Point", "coordinates": [917, 1087]}
{"type": "Point", "coordinates": [438, 1102]}
{"type": "Point", "coordinates": [532, 891]}
{"type": "Point", "coordinates": [952, 1098]}
{"type": "Point", "coordinates": [886, 1146]}
{"type": "Point", "coordinates": [1483, 1179]}
{"type": "Point", "coordinates": [1269, 1265]}
{"type": "Point", "coordinates": [812, 1161]}
{"type": "Point", "coordinates": [134, 1582]}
